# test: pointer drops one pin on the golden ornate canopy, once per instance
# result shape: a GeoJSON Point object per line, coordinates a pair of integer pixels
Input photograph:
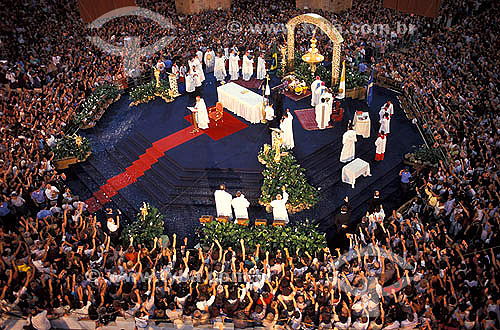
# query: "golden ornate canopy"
{"type": "Point", "coordinates": [325, 26]}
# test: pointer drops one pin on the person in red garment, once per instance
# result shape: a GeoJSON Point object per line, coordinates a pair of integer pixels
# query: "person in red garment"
{"type": "Point", "coordinates": [380, 143]}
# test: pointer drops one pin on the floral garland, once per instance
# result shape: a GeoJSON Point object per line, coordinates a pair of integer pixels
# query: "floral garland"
{"type": "Point", "coordinates": [286, 173]}
{"type": "Point", "coordinates": [73, 146]}
{"type": "Point", "coordinates": [148, 91]}
{"type": "Point", "coordinates": [94, 106]}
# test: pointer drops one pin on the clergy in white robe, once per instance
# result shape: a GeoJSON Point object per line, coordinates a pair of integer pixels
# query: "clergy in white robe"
{"type": "Point", "coordinates": [209, 60]}
{"type": "Point", "coordinates": [190, 87]}
{"type": "Point", "coordinates": [315, 84]}
{"type": "Point", "coordinates": [380, 144]}
{"type": "Point", "coordinates": [201, 113]}
{"type": "Point", "coordinates": [279, 207]}
{"type": "Point", "coordinates": [385, 124]}
{"type": "Point", "coordinates": [318, 93]}
{"type": "Point", "coordinates": [199, 68]}
{"type": "Point", "coordinates": [247, 67]}
{"type": "Point", "coordinates": [182, 71]}
{"type": "Point", "coordinates": [349, 149]}
{"type": "Point", "coordinates": [389, 107]}
{"type": "Point", "coordinates": [286, 127]}
{"type": "Point", "coordinates": [220, 68]}
{"type": "Point", "coordinates": [196, 77]}
{"type": "Point", "coordinates": [261, 67]}
{"type": "Point", "coordinates": [269, 112]}
{"type": "Point", "coordinates": [234, 66]}
{"type": "Point", "coordinates": [240, 206]}
{"type": "Point", "coordinates": [223, 201]}
{"type": "Point", "coordinates": [226, 52]}
{"type": "Point", "coordinates": [175, 70]}
{"type": "Point", "coordinates": [323, 113]}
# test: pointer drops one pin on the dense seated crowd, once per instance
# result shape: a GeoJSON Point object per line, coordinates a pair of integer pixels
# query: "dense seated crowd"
{"type": "Point", "coordinates": [50, 245]}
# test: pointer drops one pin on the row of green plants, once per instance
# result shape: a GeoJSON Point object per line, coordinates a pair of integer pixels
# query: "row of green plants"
{"type": "Point", "coordinates": [72, 147]}
{"type": "Point", "coordinates": [304, 236]}
{"type": "Point", "coordinates": [148, 91]}
{"type": "Point", "coordinates": [91, 109]}
{"type": "Point", "coordinates": [289, 174]}
{"type": "Point", "coordinates": [147, 226]}
{"type": "Point", "coordinates": [425, 156]}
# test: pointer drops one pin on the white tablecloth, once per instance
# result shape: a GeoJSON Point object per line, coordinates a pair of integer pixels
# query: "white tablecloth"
{"type": "Point", "coordinates": [241, 101]}
{"type": "Point", "coordinates": [354, 170]}
{"type": "Point", "coordinates": [362, 126]}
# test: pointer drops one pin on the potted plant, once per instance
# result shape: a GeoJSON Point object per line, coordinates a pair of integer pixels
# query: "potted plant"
{"type": "Point", "coordinates": [71, 150]}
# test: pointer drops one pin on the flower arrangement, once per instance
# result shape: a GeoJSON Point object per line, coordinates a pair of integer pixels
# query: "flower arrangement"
{"type": "Point", "coordinates": [147, 227]}
{"type": "Point", "coordinates": [285, 173]}
{"type": "Point", "coordinates": [148, 91]}
{"type": "Point", "coordinates": [95, 105]}
{"type": "Point", "coordinates": [73, 146]}
{"type": "Point", "coordinates": [303, 236]}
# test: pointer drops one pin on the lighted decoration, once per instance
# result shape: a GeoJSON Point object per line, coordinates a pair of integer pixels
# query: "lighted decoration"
{"type": "Point", "coordinates": [144, 211]}
{"type": "Point", "coordinates": [78, 140]}
{"type": "Point", "coordinates": [313, 57]}
{"type": "Point", "coordinates": [327, 27]}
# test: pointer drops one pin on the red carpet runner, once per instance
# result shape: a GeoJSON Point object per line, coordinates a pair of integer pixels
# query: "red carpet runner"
{"type": "Point", "coordinates": [229, 126]}
{"type": "Point", "coordinates": [307, 118]}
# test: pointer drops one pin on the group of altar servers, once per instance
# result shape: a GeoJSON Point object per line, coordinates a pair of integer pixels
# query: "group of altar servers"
{"type": "Point", "coordinates": [225, 204]}
{"type": "Point", "coordinates": [349, 138]}
{"type": "Point", "coordinates": [216, 63]}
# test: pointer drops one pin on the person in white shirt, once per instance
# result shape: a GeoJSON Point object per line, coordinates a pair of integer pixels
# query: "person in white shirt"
{"type": "Point", "coordinates": [385, 123]}
{"type": "Point", "coordinates": [247, 67]}
{"type": "Point", "coordinates": [196, 76]}
{"type": "Point", "coordinates": [349, 145]}
{"type": "Point", "coordinates": [362, 322]}
{"type": "Point", "coordinates": [40, 321]}
{"type": "Point", "coordinates": [51, 192]}
{"type": "Point", "coordinates": [279, 207]}
{"type": "Point", "coordinates": [209, 60]}
{"type": "Point", "coordinates": [315, 84]}
{"type": "Point", "coordinates": [199, 67]}
{"type": "Point", "coordinates": [201, 113]}
{"type": "Point", "coordinates": [220, 68]}
{"type": "Point", "coordinates": [380, 144]}
{"type": "Point", "coordinates": [240, 205]}
{"type": "Point", "coordinates": [286, 127]}
{"type": "Point", "coordinates": [234, 66]}
{"type": "Point", "coordinates": [223, 201]}
{"type": "Point", "coordinates": [261, 67]}
{"type": "Point", "coordinates": [269, 112]}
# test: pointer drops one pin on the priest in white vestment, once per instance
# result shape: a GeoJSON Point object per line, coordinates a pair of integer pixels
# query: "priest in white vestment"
{"type": "Point", "coordinates": [261, 67]}
{"type": "Point", "coordinates": [175, 70]}
{"type": "Point", "coordinates": [318, 93]}
{"type": "Point", "coordinates": [380, 144]}
{"type": "Point", "coordinates": [209, 60]}
{"type": "Point", "coordinates": [279, 207]}
{"type": "Point", "coordinates": [234, 66]}
{"type": "Point", "coordinates": [385, 124]}
{"type": "Point", "coordinates": [199, 68]}
{"type": "Point", "coordinates": [190, 87]}
{"type": "Point", "coordinates": [220, 68]}
{"type": "Point", "coordinates": [269, 112]}
{"type": "Point", "coordinates": [240, 205]}
{"type": "Point", "coordinates": [349, 149]}
{"type": "Point", "coordinates": [247, 67]}
{"type": "Point", "coordinates": [286, 127]}
{"type": "Point", "coordinates": [196, 77]}
{"type": "Point", "coordinates": [315, 84]}
{"type": "Point", "coordinates": [389, 107]}
{"type": "Point", "coordinates": [323, 113]}
{"type": "Point", "coordinates": [201, 113]}
{"type": "Point", "coordinates": [223, 201]}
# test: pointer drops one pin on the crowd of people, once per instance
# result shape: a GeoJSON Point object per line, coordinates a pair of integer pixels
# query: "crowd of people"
{"type": "Point", "coordinates": [57, 259]}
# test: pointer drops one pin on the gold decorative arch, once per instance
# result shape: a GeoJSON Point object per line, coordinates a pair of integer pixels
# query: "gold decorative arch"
{"type": "Point", "coordinates": [325, 26]}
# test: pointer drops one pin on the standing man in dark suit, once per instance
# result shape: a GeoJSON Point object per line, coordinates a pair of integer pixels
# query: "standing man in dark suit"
{"type": "Point", "coordinates": [340, 225]}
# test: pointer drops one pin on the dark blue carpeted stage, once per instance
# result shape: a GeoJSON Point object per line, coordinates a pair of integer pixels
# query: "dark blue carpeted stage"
{"type": "Point", "coordinates": [181, 183]}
